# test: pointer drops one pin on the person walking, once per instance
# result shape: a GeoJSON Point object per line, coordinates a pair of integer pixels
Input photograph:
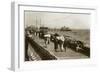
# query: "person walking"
{"type": "Point", "coordinates": [55, 44]}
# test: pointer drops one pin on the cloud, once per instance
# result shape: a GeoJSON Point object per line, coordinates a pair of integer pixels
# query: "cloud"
{"type": "Point", "coordinates": [58, 20]}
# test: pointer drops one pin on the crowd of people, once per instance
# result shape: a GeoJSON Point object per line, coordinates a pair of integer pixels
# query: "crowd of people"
{"type": "Point", "coordinates": [60, 41]}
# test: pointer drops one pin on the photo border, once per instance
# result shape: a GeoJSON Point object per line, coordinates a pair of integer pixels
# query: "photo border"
{"type": "Point", "coordinates": [16, 64]}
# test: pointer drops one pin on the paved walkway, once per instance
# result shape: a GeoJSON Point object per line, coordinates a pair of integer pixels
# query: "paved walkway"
{"type": "Point", "coordinates": [69, 54]}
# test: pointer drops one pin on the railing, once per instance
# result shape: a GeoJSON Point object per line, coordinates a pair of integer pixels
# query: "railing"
{"type": "Point", "coordinates": [44, 54]}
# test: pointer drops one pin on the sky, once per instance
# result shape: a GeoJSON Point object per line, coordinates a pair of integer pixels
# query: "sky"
{"type": "Point", "coordinates": [57, 20]}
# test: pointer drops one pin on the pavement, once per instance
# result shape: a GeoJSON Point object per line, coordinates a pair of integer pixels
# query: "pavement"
{"type": "Point", "coordinates": [69, 54]}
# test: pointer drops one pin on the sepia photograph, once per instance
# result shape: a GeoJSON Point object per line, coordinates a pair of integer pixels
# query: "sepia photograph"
{"type": "Point", "coordinates": [53, 36]}
{"type": "Point", "coordinates": [56, 35]}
